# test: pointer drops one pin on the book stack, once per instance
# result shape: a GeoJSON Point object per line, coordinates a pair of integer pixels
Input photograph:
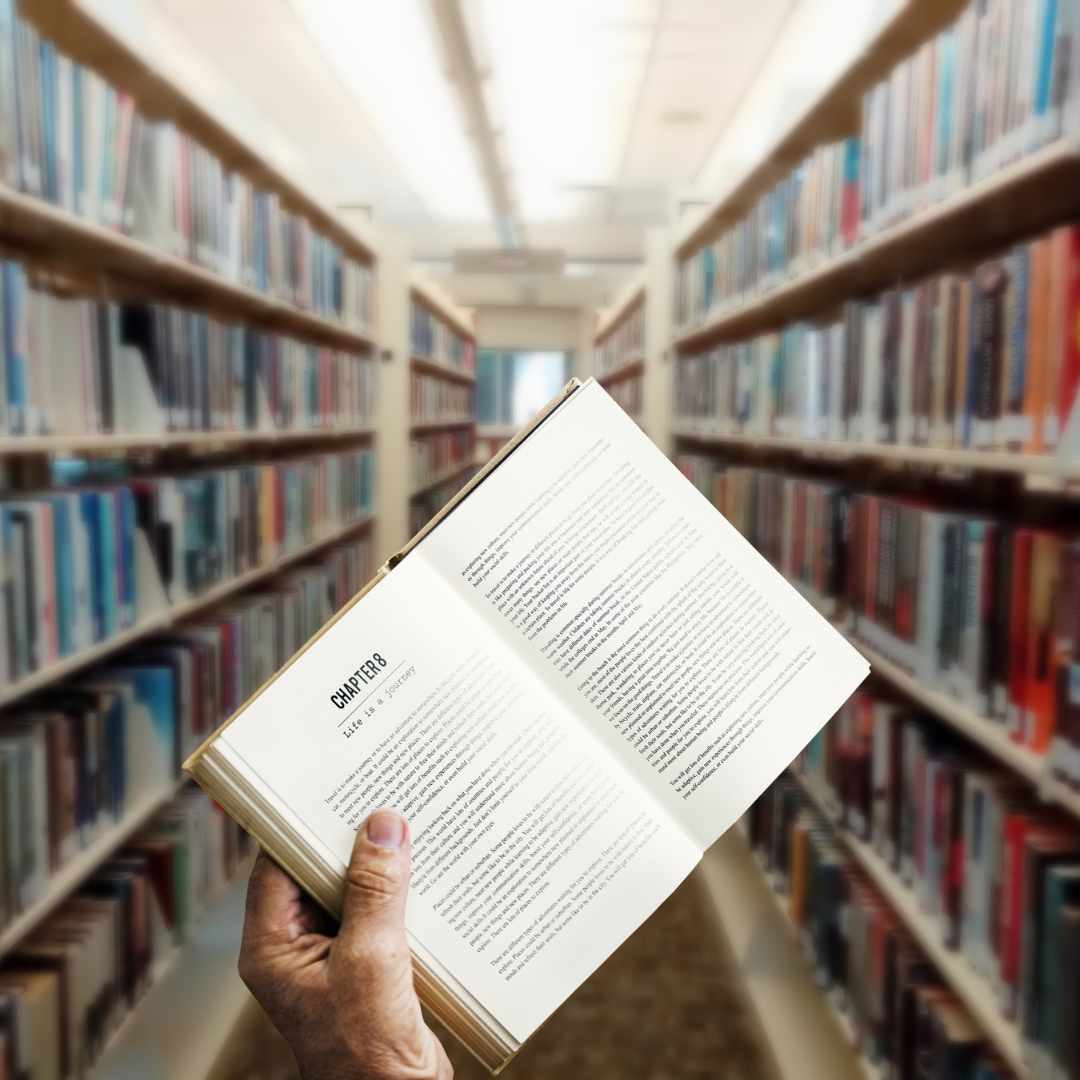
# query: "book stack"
{"type": "Point", "coordinates": [76, 760]}
{"type": "Point", "coordinates": [433, 339]}
{"type": "Point", "coordinates": [907, 1023]}
{"type": "Point", "coordinates": [80, 565]}
{"type": "Point", "coordinates": [622, 346]}
{"type": "Point", "coordinates": [983, 359]}
{"type": "Point", "coordinates": [993, 870]}
{"type": "Point", "coordinates": [68, 137]}
{"type": "Point", "coordinates": [983, 611]}
{"type": "Point", "coordinates": [441, 455]}
{"type": "Point", "coordinates": [630, 395]}
{"type": "Point", "coordinates": [810, 216]}
{"type": "Point", "coordinates": [67, 987]}
{"type": "Point", "coordinates": [435, 400]}
{"type": "Point", "coordinates": [80, 367]}
{"type": "Point", "coordinates": [996, 85]}
{"type": "Point", "coordinates": [799, 525]}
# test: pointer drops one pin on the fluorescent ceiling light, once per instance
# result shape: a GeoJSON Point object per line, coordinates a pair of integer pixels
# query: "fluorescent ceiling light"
{"type": "Point", "coordinates": [384, 52]}
{"type": "Point", "coordinates": [567, 73]}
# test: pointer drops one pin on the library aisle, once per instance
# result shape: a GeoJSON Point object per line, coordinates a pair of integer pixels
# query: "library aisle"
{"type": "Point", "coordinates": [279, 278]}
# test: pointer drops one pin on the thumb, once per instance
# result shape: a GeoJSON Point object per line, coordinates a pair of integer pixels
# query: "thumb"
{"type": "Point", "coordinates": [377, 886]}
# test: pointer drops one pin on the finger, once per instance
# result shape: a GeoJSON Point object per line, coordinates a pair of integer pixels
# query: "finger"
{"type": "Point", "coordinates": [377, 883]}
{"type": "Point", "coordinates": [273, 900]}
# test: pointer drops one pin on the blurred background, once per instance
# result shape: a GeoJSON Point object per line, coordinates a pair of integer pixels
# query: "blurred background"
{"type": "Point", "coordinates": [277, 278]}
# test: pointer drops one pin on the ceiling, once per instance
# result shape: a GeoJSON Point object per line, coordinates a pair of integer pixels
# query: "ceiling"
{"type": "Point", "coordinates": [603, 111]}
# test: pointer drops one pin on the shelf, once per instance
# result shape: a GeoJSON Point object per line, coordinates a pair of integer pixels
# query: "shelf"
{"type": "Point", "coordinates": [806, 1037]}
{"type": "Point", "coordinates": [442, 478]}
{"type": "Point", "coordinates": [181, 1025]}
{"type": "Point", "coordinates": [419, 426]}
{"type": "Point", "coordinates": [982, 730]}
{"type": "Point", "coordinates": [55, 232]}
{"type": "Point", "coordinates": [831, 115]}
{"type": "Point", "coordinates": [81, 31]}
{"type": "Point", "coordinates": [440, 305]}
{"type": "Point", "coordinates": [77, 869]}
{"type": "Point", "coordinates": [1046, 466]}
{"type": "Point", "coordinates": [632, 298]}
{"type": "Point", "coordinates": [170, 616]}
{"type": "Point", "coordinates": [1033, 193]}
{"type": "Point", "coordinates": [202, 441]}
{"type": "Point", "coordinates": [433, 367]}
{"type": "Point", "coordinates": [626, 370]}
{"type": "Point", "coordinates": [973, 990]}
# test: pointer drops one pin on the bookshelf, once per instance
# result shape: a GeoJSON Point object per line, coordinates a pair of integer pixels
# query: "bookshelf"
{"type": "Point", "coordinates": [49, 233]}
{"type": "Point", "coordinates": [171, 616]}
{"type": "Point", "coordinates": [323, 299]}
{"type": "Point", "coordinates": [149, 1043]}
{"type": "Point", "coordinates": [78, 869]}
{"type": "Point", "coordinates": [442, 399]}
{"type": "Point", "coordinates": [804, 1031]}
{"type": "Point", "coordinates": [1009, 192]}
{"type": "Point", "coordinates": [973, 990]}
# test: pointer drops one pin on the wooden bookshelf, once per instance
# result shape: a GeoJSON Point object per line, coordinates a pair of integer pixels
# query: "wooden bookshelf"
{"type": "Point", "coordinates": [632, 367]}
{"type": "Point", "coordinates": [149, 1043]}
{"type": "Point", "coordinates": [1032, 194]}
{"type": "Point", "coordinates": [170, 616]}
{"type": "Point", "coordinates": [1046, 467]}
{"type": "Point", "coordinates": [443, 478]}
{"type": "Point", "coordinates": [80, 32]}
{"type": "Point", "coordinates": [63, 883]}
{"type": "Point", "coordinates": [441, 305]}
{"type": "Point", "coordinates": [633, 297]}
{"type": "Point", "coordinates": [51, 232]}
{"type": "Point", "coordinates": [971, 988]}
{"type": "Point", "coordinates": [444, 371]}
{"type": "Point", "coordinates": [199, 442]}
{"type": "Point", "coordinates": [831, 116]}
{"type": "Point", "coordinates": [806, 1036]}
{"type": "Point", "coordinates": [420, 427]}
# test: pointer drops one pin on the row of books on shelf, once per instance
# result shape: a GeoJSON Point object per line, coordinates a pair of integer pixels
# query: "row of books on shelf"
{"type": "Point", "coordinates": [66, 988]}
{"type": "Point", "coordinates": [68, 137]}
{"type": "Point", "coordinates": [81, 564]}
{"type": "Point", "coordinates": [433, 399]}
{"type": "Point", "coordinates": [629, 394]}
{"type": "Point", "coordinates": [433, 455]}
{"type": "Point", "coordinates": [991, 868]}
{"type": "Point", "coordinates": [79, 366]}
{"type": "Point", "coordinates": [432, 338]}
{"type": "Point", "coordinates": [79, 757]}
{"type": "Point", "coordinates": [997, 85]}
{"type": "Point", "coordinates": [983, 610]}
{"type": "Point", "coordinates": [984, 359]}
{"type": "Point", "coordinates": [624, 344]}
{"type": "Point", "coordinates": [424, 507]}
{"type": "Point", "coordinates": [907, 1021]}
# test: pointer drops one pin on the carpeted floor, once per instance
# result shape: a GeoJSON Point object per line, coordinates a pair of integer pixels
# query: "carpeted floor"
{"type": "Point", "coordinates": [664, 1007]}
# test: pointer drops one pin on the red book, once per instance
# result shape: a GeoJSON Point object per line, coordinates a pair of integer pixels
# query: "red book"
{"type": "Point", "coordinates": [1069, 375]}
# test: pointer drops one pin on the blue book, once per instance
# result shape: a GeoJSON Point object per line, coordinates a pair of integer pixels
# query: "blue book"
{"type": "Point", "coordinates": [1019, 263]}
{"type": "Point", "coordinates": [154, 687]}
{"type": "Point", "coordinates": [14, 287]}
{"type": "Point", "coordinates": [946, 93]}
{"type": "Point", "coordinates": [64, 571]}
{"type": "Point", "coordinates": [90, 507]}
{"type": "Point", "coordinates": [1044, 67]}
{"type": "Point", "coordinates": [125, 516]}
{"type": "Point", "coordinates": [109, 542]}
{"type": "Point", "coordinates": [115, 720]}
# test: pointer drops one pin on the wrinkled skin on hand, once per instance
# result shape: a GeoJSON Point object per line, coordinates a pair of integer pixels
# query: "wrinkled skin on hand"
{"type": "Point", "coordinates": [345, 1002]}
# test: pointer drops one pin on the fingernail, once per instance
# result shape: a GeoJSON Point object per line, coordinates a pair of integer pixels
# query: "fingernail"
{"type": "Point", "coordinates": [386, 829]}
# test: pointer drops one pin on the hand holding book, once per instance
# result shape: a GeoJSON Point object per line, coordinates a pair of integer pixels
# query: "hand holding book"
{"type": "Point", "coordinates": [345, 1003]}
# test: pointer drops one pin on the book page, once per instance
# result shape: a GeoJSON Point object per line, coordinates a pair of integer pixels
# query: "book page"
{"type": "Point", "coordinates": [534, 855]}
{"type": "Point", "coordinates": [700, 668]}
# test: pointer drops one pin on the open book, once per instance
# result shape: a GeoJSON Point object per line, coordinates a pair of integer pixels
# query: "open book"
{"type": "Point", "coordinates": [572, 682]}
